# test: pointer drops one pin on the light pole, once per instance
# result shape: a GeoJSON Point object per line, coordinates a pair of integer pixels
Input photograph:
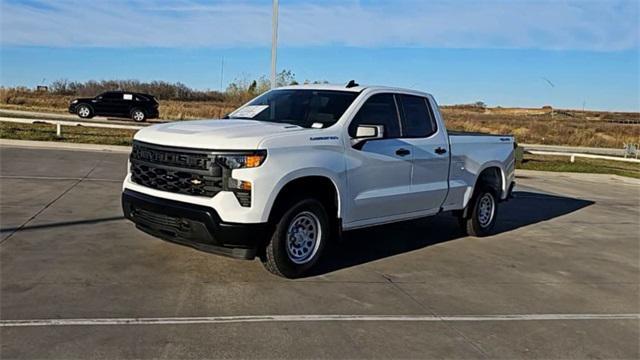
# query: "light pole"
{"type": "Point", "coordinates": [274, 43]}
{"type": "Point", "coordinates": [221, 73]}
{"type": "Point", "coordinates": [552, 86]}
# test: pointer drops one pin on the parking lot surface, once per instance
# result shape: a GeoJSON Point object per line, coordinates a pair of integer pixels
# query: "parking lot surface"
{"type": "Point", "coordinates": [560, 279]}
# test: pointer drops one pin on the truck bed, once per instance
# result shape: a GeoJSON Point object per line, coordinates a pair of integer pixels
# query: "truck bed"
{"type": "Point", "coordinates": [470, 153]}
{"type": "Point", "coordinates": [475, 133]}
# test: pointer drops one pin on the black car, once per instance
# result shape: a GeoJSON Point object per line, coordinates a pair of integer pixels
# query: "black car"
{"type": "Point", "coordinates": [136, 106]}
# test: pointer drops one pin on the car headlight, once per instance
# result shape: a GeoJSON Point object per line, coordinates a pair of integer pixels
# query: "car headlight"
{"type": "Point", "coordinates": [240, 188]}
{"type": "Point", "coordinates": [74, 101]}
{"type": "Point", "coordinates": [242, 161]}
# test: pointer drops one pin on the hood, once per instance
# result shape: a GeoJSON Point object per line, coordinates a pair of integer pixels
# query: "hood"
{"type": "Point", "coordinates": [213, 134]}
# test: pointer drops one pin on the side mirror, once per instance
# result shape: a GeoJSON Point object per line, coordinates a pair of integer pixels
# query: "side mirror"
{"type": "Point", "coordinates": [367, 132]}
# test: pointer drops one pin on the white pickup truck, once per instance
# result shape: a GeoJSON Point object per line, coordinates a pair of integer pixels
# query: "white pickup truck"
{"type": "Point", "coordinates": [288, 172]}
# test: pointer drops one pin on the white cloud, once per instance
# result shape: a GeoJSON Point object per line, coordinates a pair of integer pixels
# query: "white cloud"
{"type": "Point", "coordinates": [542, 24]}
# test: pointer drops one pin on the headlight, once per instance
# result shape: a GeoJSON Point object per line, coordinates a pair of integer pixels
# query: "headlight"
{"type": "Point", "coordinates": [240, 188]}
{"type": "Point", "coordinates": [74, 101]}
{"type": "Point", "coordinates": [242, 161]}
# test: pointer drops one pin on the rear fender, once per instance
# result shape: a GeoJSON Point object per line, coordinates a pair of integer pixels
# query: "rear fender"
{"type": "Point", "coordinates": [502, 190]}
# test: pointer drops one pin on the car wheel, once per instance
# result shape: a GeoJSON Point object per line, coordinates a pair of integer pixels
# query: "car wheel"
{"type": "Point", "coordinates": [298, 240]}
{"type": "Point", "coordinates": [138, 115]}
{"type": "Point", "coordinates": [84, 111]}
{"type": "Point", "coordinates": [482, 213]}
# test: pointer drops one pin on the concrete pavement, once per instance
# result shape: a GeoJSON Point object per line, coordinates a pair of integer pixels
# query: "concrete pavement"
{"type": "Point", "coordinates": [566, 245]}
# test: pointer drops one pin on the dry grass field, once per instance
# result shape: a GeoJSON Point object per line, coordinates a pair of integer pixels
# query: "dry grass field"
{"type": "Point", "coordinates": [169, 109]}
{"type": "Point", "coordinates": [532, 126]}
{"type": "Point", "coordinates": [72, 134]}
{"type": "Point", "coordinates": [538, 126]}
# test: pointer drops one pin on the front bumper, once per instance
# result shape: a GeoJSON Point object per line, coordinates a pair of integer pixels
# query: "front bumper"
{"type": "Point", "coordinates": [193, 225]}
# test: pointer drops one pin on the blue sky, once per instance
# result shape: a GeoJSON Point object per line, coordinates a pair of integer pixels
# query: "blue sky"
{"type": "Point", "coordinates": [497, 51]}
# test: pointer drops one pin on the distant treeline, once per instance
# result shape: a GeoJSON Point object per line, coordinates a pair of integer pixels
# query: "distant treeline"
{"type": "Point", "coordinates": [160, 89]}
{"type": "Point", "coordinates": [241, 89]}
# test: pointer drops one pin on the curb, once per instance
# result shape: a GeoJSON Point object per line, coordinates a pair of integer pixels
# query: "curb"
{"type": "Point", "coordinates": [64, 146]}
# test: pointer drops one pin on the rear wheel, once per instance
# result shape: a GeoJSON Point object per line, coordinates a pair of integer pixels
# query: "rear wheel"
{"type": "Point", "coordinates": [84, 111]}
{"type": "Point", "coordinates": [138, 115]}
{"type": "Point", "coordinates": [481, 214]}
{"type": "Point", "coordinates": [299, 239]}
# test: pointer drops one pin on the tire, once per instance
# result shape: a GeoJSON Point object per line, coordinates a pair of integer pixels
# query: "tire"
{"type": "Point", "coordinates": [138, 115]}
{"type": "Point", "coordinates": [299, 238]}
{"type": "Point", "coordinates": [84, 111]}
{"type": "Point", "coordinates": [482, 212]}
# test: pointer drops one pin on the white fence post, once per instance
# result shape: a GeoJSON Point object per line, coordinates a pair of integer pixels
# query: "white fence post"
{"type": "Point", "coordinates": [58, 130]}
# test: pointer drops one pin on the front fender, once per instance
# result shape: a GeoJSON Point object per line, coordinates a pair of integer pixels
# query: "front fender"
{"type": "Point", "coordinates": [285, 165]}
{"type": "Point", "coordinates": [302, 173]}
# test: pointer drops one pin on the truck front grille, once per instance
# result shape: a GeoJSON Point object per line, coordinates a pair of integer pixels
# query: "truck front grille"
{"type": "Point", "coordinates": [182, 171]}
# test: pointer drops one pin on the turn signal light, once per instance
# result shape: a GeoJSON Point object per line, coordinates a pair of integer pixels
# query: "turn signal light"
{"type": "Point", "coordinates": [252, 161]}
{"type": "Point", "coordinates": [242, 161]}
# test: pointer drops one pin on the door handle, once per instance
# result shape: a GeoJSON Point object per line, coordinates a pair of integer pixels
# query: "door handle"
{"type": "Point", "coordinates": [403, 152]}
{"type": "Point", "coordinates": [441, 151]}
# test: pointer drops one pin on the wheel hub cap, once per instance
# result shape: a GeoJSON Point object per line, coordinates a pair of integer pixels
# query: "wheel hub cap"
{"type": "Point", "coordinates": [486, 210]}
{"type": "Point", "coordinates": [303, 237]}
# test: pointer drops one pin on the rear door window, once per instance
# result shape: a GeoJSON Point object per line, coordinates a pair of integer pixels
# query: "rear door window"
{"type": "Point", "coordinates": [417, 119]}
{"type": "Point", "coordinates": [112, 96]}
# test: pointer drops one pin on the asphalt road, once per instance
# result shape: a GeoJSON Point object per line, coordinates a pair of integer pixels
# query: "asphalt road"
{"type": "Point", "coordinates": [556, 282]}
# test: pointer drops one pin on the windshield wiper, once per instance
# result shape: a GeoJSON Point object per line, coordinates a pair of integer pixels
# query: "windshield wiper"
{"type": "Point", "coordinates": [240, 118]}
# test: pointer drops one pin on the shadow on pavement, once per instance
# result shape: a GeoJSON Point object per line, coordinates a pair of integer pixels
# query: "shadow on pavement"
{"type": "Point", "coordinates": [362, 246]}
{"type": "Point", "coordinates": [61, 224]}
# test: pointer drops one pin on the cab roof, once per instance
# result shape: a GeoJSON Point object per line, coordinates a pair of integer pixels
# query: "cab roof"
{"type": "Point", "coordinates": [334, 87]}
{"type": "Point", "coordinates": [343, 87]}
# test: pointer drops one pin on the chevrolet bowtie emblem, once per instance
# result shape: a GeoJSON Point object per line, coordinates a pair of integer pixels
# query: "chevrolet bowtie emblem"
{"type": "Point", "coordinates": [196, 181]}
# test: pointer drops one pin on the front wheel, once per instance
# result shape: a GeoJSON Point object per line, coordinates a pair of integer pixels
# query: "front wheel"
{"type": "Point", "coordinates": [298, 240]}
{"type": "Point", "coordinates": [481, 215]}
{"type": "Point", "coordinates": [138, 115]}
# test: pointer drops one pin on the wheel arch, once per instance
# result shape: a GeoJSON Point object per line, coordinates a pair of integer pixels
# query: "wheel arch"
{"type": "Point", "coordinates": [320, 187]}
{"type": "Point", "coordinates": [492, 174]}
{"type": "Point", "coordinates": [93, 110]}
{"type": "Point", "coordinates": [134, 108]}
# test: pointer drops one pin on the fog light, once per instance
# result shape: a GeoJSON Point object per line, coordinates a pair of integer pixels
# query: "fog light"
{"type": "Point", "coordinates": [244, 198]}
{"type": "Point", "coordinates": [239, 184]}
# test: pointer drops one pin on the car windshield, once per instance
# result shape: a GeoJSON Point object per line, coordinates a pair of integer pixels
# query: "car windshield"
{"type": "Point", "coordinates": [305, 108]}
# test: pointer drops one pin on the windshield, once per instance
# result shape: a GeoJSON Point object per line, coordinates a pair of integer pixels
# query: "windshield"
{"type": "Point", "coordinates": [305, 108]}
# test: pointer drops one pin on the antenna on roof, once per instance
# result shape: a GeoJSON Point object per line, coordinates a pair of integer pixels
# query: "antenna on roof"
{"type": "Point", "coordinates": [352, 83]}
